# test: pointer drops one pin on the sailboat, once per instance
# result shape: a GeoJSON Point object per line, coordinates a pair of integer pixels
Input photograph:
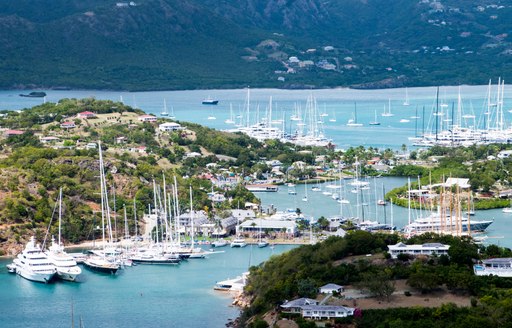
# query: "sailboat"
{"type": "Point", "coordinates": [375, 122]}
{"type": "Point", "coordinates": [508, 209]}
{"type": "Point", "coordinates": [261, 242]}
{"type": "Point", "coordinates": [305, 198]}
{"type": "Point", "coordinates": [388, 112]}
{"type": "Point", "coordinates": [165, 112]}
{"type": "Point", "coordinates": [98, 261]}
{"type": "Point", "coordinates": [406, 101]}
{"type": "Point", "coordinates": [353, 122]}
{"type": "Point", "coordinates": [231, 119]}
{"type": "Point", "coordinates": [333, 117]}
{"type": "Point", "coordinates": [66, 266]}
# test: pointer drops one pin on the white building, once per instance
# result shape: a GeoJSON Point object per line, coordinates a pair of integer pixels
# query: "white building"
{"type": "Point", "coordinates": [501, 267]}
{"type": "Point", "coordinates": [318, 312]}
{"type": "Point", "coordinates": [289, 227]}
{"type": "Point", "coordinates": [415, 250]}
{"type": "Point", "coordinates": [169, 127]}
{"type": "Point", "coordinates": [331, 288]}
{"type": "Point", "coordinates": [147, 118]}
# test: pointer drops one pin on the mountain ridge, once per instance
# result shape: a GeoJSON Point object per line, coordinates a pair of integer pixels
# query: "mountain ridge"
{"type": "Point", "coordinates": [169, 44]}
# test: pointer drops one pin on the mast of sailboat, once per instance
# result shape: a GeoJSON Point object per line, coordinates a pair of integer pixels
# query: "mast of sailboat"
{"type": "Point", "coordinates": [176, 212]}
{"type": "Point", "coordinates": [416, 122]}
{"type": "Point", "coordinates": [191, 220]}
{"type": "Point", "coordinates": [437, 112]}
{"type": "Point", "coordinates": [384, 199]}
{"type": "Point", "coordinates": [60, 212]}
{"type": "Point", "coordinates": [453, 109]}
{"type": "Point", "coordinates": [355, 112]}
{"type": "Point", "coordinates": [135, 218]}
{"type": "Point", "coordinates": [423, 122]}
{"type": "Point", "coordinates": [126, 232]}
{"type": "Point", "coordinates": [156, 211]}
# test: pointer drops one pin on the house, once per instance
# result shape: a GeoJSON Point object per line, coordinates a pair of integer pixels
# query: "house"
{"type": "Point", "coordinates": [91, 145]}
{"type": "Point", "coordinates": [289, 227]}
{"type": "Point", "coordinates": [318, 312]}
{"type": "Point", "coordinates": [330, 289]}
{"type": "Point", "coordinates": [86, 115]}
{"type": "Point", "coordinates": [428, 249]}
{"type": "Point", "coordinates": [295, 306]}
{"type": "Point", "coordinates": [193, 154]}
{"type": "Point", "coordinates": [68, 125]}
{"type": "Point", "coordinates": [121, 140]}
{"type": "Point", "coordinates": [49, 139]}
{"type": "Point", "coordinates": [9, 133]}
{"type": "Point", "coordinates": [169, 127]}
{"type": "Point", "coordinates": [505, 154]}
{"type": "Point", "coordinates": [310, 308]}
{"type": "Point", "coordinates": [147, 118]}
{"type": "Point", "coordinates": [140, 150]}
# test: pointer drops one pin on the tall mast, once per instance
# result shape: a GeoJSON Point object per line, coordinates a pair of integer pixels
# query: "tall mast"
{"type": "Point", "coordinates": [60, 212]}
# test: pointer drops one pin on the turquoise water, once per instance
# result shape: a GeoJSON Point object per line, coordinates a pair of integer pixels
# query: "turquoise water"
{"type": "Point", "coordinates": [140, 296]}
{"type": "Point", "coordinates": [338, 103]}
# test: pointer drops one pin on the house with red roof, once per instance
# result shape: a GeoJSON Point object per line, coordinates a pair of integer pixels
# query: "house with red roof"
{"type": "Point", "coordinates": [86, 115]}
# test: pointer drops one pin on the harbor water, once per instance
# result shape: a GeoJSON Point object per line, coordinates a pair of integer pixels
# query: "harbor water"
{"type": "Point", "coordinates": [337, 106]}
{"type": "Point", "coordinates": [140, 296]}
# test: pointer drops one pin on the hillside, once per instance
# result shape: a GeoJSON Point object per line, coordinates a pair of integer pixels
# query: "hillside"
{"type": "Point", "coordinates": [188, 44]}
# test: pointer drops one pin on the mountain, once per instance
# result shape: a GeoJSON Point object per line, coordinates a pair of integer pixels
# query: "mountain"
{"type": "Point", "coordinates": [188, 44]}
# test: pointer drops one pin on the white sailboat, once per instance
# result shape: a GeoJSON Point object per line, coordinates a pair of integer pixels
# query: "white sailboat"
{"type": "Point", "coordinates": [165, 112]}
{"type": "Point", "coordinates": [231, 119]}
{"type": "Point", "coordinates": [100, 261]}
{"type": "Point", "coordinates": [305, 198]}
{"type": "Point", "coordinates": [333, 117]}
{"type": "Point", "coordinates": [388, 112]}
{"type": "Point", "coordinates": [353, 122]}
{"type": "Point", "coordinates": [406, 101]}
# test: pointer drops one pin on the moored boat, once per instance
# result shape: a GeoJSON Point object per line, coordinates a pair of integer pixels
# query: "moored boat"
{"type": "Point", "coordinates": [210, 101]}
{"type": "Point", "coordinates": [33, 264]}
{"type": "Point", "coordinates": [238, 242]}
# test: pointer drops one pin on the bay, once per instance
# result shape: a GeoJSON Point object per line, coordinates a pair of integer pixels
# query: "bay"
{"type": "Point", "coordinates": [140, 296]}
{"type": "Point", "coordinates": [340, 103]}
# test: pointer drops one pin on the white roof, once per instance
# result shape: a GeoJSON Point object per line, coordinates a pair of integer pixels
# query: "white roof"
{"type": "Point", "coordinates": [269, 224]}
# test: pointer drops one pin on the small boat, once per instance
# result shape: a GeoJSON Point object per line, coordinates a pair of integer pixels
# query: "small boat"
{"type": "Point", "coordinates": [262, 243]}
{"type": "Point", "coordinates": [381, 202]}
{"type": "Point", "coordinates": [11, 268]}
{"type": "Point", "coordinates": [238, 242]}
{"type": "Point", "coordinates": [154, 258]}
{"type": "Point", "coordinates": [235, 284]}
{"type": "Point", "coordinates": [209, 101]}
{"type": "Point", "coordinates": [375, 122]}
{"type": "Point", "coordinates": [507, 210]}
{"type": "Point", "coordinates": [219, 243]}
{"type": "Point", "coordinates": [404, 120]}
{"type": "Point", "coordinates": [292, 191]}
{"type": "Point", "coordinates": [100, 264]}
{"type": "Point", "coordinates": [211, 117]}
{"type": "Point", "coordinates": [35, 94]}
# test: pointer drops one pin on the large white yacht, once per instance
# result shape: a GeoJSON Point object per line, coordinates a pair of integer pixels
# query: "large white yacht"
{"type": "Point", "coordinates": [67, 268]}
{"type": "Point", "coordinates": [33, 264]}
{"type": "Point", "coordinates": [238, 242]}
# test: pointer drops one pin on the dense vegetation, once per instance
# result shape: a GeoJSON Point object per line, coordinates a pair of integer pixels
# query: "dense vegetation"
{"type": "Point", "coordinates": [31, 172]}
{"type": "Point", "coordinates": [479, 163]}
{"type": "Point", "coordinates": [231, 44]}
{"type": "Point", "coordinates": [299, 272]}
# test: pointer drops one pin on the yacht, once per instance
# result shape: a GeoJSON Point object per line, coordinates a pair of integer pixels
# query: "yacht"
{"type": "Point", "coordinates": [33, 264]}
{"type": "Point", "coordinates": [101, 264]}
{"type": "Point", "coordinates": [442, 223]}
{"type": "Point", "coordinates": [238, 242]}
{"type": "Point", "coordinates": [67, 268]}
{"type": "Point", "coordinates": [219, 243]}
{"type": "Point", "coordinates": [155, 258]}
{"type": "Point", "coordinates": [210, 101]}
{"type": "Point", "coordinates": [236, 284]}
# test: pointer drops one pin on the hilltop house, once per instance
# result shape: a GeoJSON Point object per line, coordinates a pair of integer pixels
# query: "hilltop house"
{"type": "Point", "coordinates": [310, 308]}
{"type": "Point", "coordinates": [330, 289]}
{"type": "Point", "coordinates": [68, 125]}
{"type": "Point", "coordinates": [147, 118]}
{"type": "Point", "coordinates": [9, 133]}
{"type": "Point", "coordinates": [86, 115]}
{"type": "Point", "coordinates": [169, 127]}
{"type": "Point", "coordinates": [415, 250]}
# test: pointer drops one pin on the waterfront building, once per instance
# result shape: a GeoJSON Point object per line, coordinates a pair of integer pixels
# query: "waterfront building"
{"type": "Point", "coordinates": [501, 267]}
{"type": "Point", "coordinates": [289, 227]}
{"type": "Point", "coordinates": [415, 250]}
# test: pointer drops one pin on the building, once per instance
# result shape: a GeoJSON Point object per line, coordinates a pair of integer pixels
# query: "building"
{"type": "Point", "coordinates": [91, 145]}
{"type": "Point", "coordinates": [86, 115]}
{"type": "Point", "coordinates": [501, 267]}
{"type": "Point", "coordinates": [9, 133]}
{"type": "Point", "coordinates": [415, 250]}
{"type": "Point", "coordinates": [68, 125]}
{"type": "Point", "coordinates": [295, 306]}
{"type": "Point", "coordinates": [49, 139]}
{"type": "Point", "coordinates": [147, 118]}
{"type": "Point", "coordinates": [330, 289]}
{"type": "Point", "coordinates": [318, 312]}
{"type": "Point", "coordinates": [289, 227]}
{"type": "Point", "coordinates": [170, 127]}
{"type": "Point", "coordinates": [310, 308]}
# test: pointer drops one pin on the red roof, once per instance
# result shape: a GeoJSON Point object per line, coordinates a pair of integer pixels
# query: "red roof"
{"type": "Point", "coordinates": [86, 113]}
{"type": "Point", "coordinates": [14, 132]}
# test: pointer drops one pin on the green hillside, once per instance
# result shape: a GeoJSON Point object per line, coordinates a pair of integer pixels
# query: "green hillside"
{"type": "Point", "coordinates": [188, 44]}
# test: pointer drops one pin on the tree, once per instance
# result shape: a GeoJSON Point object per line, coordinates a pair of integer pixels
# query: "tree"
{"type": "Point", "coordinates": [378, 283]}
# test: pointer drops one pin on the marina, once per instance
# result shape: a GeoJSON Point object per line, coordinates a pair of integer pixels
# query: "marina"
{"type": "Point", "coordinates": [134, 294]}
{"type": "Point", "coordinates": [289, 108]}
